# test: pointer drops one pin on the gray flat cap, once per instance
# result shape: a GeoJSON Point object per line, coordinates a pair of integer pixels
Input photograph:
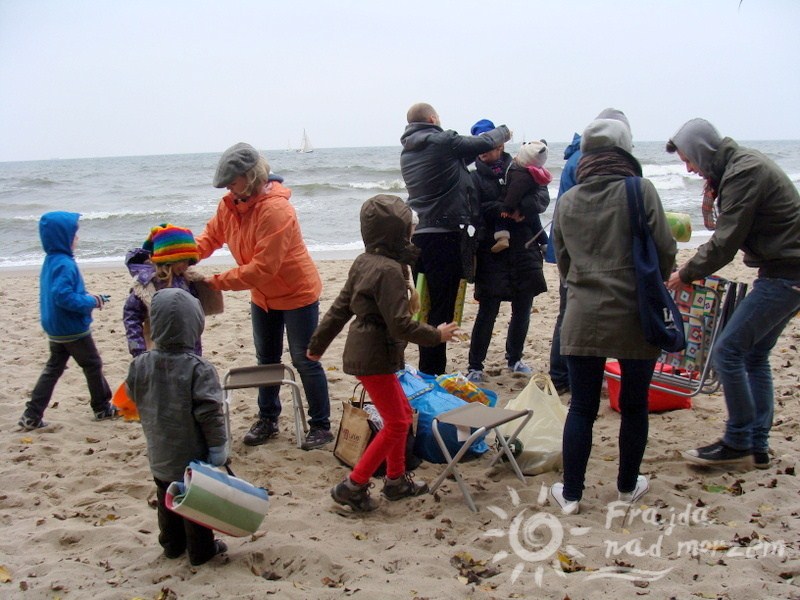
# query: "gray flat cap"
{"type": "Point", "coordinates": [235, 161]}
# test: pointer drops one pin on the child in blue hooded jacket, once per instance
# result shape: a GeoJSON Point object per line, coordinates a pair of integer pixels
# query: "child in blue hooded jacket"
{"type": "Point", "coordinates": [66, 315]}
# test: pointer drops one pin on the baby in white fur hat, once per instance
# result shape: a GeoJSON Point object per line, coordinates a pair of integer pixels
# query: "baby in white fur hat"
{"type": "Point", "coordinates": [525, 172]}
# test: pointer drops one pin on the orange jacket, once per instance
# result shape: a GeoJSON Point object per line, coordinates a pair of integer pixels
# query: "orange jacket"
{"type": "Point", "coordinates": [264, 237]}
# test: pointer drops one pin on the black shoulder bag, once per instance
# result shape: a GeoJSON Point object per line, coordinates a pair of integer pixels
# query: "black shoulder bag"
{"type": "Point", "coordinates": [661, 320]}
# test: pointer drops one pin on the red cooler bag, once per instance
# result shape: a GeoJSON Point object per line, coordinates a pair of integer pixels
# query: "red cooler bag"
{"type": "Point", "coordinates": [657, 400]}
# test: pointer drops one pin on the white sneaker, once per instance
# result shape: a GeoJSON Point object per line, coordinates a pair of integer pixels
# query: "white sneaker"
{"type": "Point", "coordinates": [640, 490]}
{"type": "Point", "coordinates": [568, 507]}
{"type": "Point", "coordinates": [520, 367]}
{"type": "Point", "coordinates": [475, 376]}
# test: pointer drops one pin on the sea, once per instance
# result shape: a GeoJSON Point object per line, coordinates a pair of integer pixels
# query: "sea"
{"type": "Point", "coordinates": [121, 198]}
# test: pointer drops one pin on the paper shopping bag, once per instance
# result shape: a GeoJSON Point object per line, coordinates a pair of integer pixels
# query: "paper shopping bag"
{"type": "Point", "coordinates": [354, 434]}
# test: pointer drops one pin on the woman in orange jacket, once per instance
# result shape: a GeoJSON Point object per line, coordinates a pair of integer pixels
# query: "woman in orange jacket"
{"type": "Point", "coordinates": [259, 225]}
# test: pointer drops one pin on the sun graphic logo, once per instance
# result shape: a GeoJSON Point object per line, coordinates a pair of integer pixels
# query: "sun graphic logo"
{"type": "Point", "coordinates": [535, 539]}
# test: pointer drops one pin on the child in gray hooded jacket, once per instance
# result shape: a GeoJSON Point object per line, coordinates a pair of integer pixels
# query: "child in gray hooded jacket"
{"type": "Point", "coordinates": [179, 399]}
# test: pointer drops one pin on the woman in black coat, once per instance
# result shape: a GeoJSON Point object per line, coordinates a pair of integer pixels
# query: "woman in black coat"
{"type": "Point", "coordinates": [513, 275]}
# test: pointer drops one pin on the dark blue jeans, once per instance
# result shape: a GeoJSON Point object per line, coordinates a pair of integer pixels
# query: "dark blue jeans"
{"type": "Point", "coordinates": [559, 372]}
{"type": "Point", "coordinates": [440, 260]}
{"type": "Point", "coordinates": [741, 359]}
{"type": "Point", "coordinates": [484, 324]}
{"type": "Point", "coordinates": [85, 354]}
{"type": "Point", "coordinates": [300, 323]}
{"type": "Point", "coordinates": [586, 382]}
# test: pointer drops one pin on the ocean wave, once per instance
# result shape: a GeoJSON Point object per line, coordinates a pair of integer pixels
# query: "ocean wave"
{"type": "Point", "coordinates": [394, 185]}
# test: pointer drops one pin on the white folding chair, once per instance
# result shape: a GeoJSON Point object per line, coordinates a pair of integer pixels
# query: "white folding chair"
{"type": "Point", "coordinates": [480, 419]}
{"type": "Point", "coordinates": [260, 375]}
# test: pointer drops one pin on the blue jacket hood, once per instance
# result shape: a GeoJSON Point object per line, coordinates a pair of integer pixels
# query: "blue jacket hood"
{"type": "Point", "coordinates": [57, 230]}
{"type": "Point", "coordinates": [573, 147]}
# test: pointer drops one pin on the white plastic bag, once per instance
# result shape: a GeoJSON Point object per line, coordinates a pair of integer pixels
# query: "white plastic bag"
{"type": "Point", "coordinates": [541, 437]}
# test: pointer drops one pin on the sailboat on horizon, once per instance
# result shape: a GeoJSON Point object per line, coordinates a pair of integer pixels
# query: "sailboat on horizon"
{"type": "Point", "coordinates": [305, 144]}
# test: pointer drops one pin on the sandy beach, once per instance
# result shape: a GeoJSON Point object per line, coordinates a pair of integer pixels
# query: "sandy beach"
{"type": "Point", "coordinates": [77, 500]}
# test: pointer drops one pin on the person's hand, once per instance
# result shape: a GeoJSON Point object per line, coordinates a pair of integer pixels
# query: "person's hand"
{"type": "Point", "coordinates": [100, 300]}
{"type": "Point", "coordinates": [674, 282]}
{"type": "Point", "coordinates": [218, 456]}
{"type": "Point", "coordinates": [314, 357]}
{"type": "Point", "coordinates": [447, 331]}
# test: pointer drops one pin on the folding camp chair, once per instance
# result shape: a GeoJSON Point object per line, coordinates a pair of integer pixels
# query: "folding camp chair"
{"type": "Point", "coordinates": [705, 310]}
{"type": "Point", "coordinates": [480, 419]}
{"type": "Point", "coordinates": [260, 375]}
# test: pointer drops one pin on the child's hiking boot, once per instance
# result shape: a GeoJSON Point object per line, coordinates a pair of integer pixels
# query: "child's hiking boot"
{"type": "Point", "coordinates": [109, 412]}
{"type": "Point", "coordinates": [261, 431]}
{"type": "Point", "coordinates": [316, 438]}
{"type": "Point", "coordinates": [31, 423]}
{"type": "Point", "coordinates": [403, 487]}
{"type": "Point", "coordinates": [354, 495]}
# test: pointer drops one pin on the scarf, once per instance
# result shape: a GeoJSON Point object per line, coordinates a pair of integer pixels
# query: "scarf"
{"type": "Point", "coordinates": [611, 161]}
{"type": "Point", "coordinates": [709, 210]}
{"type": "Point", "coordinates": [540, 175]}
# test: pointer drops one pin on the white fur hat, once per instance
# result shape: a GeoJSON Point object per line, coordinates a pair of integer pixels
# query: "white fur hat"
{"type": "Point", "coordinates": [532, 154]}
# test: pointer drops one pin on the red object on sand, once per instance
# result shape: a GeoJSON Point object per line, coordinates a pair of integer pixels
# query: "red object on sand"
{"type": "Point", "coordinates": [126, 406]}
{"type": "Point", "coordinates": [657, 400]}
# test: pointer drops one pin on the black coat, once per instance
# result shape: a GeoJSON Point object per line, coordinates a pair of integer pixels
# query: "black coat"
{"type": "Point", "coordinates": [519, 268]}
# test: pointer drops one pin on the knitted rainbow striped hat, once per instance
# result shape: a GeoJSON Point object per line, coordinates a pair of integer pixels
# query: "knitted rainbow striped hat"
{"type": "Point", "coordinates": [169, 244]}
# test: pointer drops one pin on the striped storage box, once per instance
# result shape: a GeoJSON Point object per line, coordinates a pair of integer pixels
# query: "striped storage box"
{"type": "Point", "coordinates": [217, 500]}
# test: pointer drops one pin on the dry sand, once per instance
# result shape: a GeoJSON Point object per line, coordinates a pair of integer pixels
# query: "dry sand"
{"type": "Point", "coordinates": [77, 500]}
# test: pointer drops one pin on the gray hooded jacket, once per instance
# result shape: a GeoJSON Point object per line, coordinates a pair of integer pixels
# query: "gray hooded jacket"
{"type": "Point", "coordinates": [759, 206]}
{"type": "Point", "coordinates": [177, 393]}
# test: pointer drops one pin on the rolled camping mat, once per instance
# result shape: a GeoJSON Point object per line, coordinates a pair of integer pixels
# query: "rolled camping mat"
{"type": "Point", "coordinates": [218, 500]}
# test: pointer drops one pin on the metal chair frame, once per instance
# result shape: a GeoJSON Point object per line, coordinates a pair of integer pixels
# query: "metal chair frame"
{"type": "Point", "coordinates": [480, 419]}
{"type": "Point", "coordinates": [265, 375]}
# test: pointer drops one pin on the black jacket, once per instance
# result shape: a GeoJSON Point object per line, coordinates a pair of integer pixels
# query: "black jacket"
{"type": "Point", "coordinates": [519, 268]}
{"type": "Point", "coordinates": [434, 167]}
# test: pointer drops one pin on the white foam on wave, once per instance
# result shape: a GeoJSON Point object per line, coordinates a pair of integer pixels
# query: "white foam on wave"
{"type": "Point", "coordinates": [393, 185]}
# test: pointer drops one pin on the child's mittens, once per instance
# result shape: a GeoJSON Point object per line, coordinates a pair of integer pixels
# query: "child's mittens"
{"type": "Point", "coordinates": [218, 456]}
{"type": "Point", "coordinates": [100, 300]}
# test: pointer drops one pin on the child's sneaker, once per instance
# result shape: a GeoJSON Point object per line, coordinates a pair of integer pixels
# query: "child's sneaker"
{"type": "Point", "coordinates": [520, 367]}
{"type": "Point", "coordinates": [354, 495]}
{"type": "Point", "coordinates": [475, 376]}
{"type": "Point", "coordinates": [639, 490]}
{"type": "Point", "coordinates": [109, 412]}
{"type": "Point", "coordinates": [30, 423]}
{"type": "Point", "coordinates": [403, 487]}
{"type": "Point", "coordinates": [568, 507]}
{"type": "Point", "coordinates": [500, 245]}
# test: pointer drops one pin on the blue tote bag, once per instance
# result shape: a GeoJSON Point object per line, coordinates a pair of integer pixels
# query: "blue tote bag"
{"type": "Point", "coordinates": [662, 322]}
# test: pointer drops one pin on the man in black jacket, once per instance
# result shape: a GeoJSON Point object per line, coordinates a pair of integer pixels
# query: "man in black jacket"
{"type": "Point", "coordinates": [434, 167]}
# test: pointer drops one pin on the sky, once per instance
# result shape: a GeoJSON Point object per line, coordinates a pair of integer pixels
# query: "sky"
{"type": "Point", "coordinates": [87, 78]}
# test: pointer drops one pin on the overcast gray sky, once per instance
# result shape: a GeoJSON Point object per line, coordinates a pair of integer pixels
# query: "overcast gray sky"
{"type": "Point", "coordinates": [81, 78]}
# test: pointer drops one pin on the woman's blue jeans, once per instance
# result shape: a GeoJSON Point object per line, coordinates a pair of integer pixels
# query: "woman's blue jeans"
{"type": "Point", "coordinates": [300, 324]}
{"type": "Point", "coordinates": [586, 382]}
{"type": "Point", "coordinates": [741, 360]}
{"type": "Point", "coordinates": [484, 325]}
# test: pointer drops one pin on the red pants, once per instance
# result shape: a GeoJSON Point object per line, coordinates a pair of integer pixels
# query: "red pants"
{"type": "Point", "coordinates": [388, 397]}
